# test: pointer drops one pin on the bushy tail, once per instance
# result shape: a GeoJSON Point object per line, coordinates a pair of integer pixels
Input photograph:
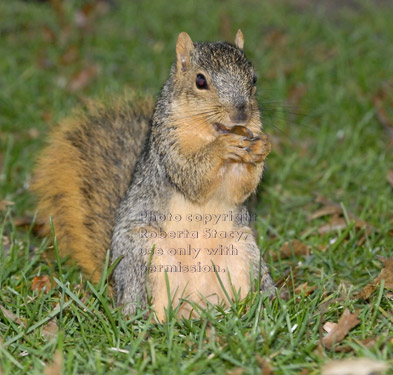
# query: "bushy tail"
{"type": "Point", "coordinates": [84, 172]}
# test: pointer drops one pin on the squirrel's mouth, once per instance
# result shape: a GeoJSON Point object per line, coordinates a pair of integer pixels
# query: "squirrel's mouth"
{"type": "Point", "coordinates": [221, 128]}
{"type": "Point", "coordinates": [237, 129]}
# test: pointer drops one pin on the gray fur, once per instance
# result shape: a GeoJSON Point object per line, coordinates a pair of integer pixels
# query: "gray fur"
{"type": "Point", "coordinates": [162, 169]}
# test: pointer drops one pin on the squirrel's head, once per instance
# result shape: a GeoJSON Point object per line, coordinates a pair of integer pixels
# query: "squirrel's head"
{"type": "Point", "coordinates": [213, 84]}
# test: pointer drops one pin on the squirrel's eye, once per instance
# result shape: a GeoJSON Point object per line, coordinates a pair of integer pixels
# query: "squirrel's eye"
{"type": "Point", "coordinates": [254, 79]}
{"type": "Point", "coordinates": [201, 82]}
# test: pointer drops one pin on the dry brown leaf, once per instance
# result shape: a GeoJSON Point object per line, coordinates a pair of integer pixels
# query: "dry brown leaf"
{"type": "Point", "coordinates": [50, 329]}
{"type": "Point", "coordinates": [264, 364]}
{"type": "Point", "coordinates": [292, 247]}
{"type": "Point", "coordinates": [383, 102]}
{"type": "Point", "coordinates": [83, 16]}
{"type": "Point", "coordinates": [368, 343]}
{"type": "Point", "coordinates": [23, 221]}
{"type": "Point", "coordinates": [382, 115]}
{"type": "Point", "coordinates": [305, 289]}
{"type": "Point", "coordinates": [361, 240]}
{"type": "Point", "coordinates": [336, 223]}
{"type": "Point", "coordinates": [366, 291]}
{"type": "Point", "coordinates": [33, 133]}
{"type": "Point", "coordinates": [355, 366]}
{"type": "Point", "coordinates": [70, 56]}
{"type": "Point", "coordinates": [328, 209]}
{"type": "Point", "coordinates": [41, 282]}
{"type": "Point", "coordinates": [55, 367]}
{"type": "Point", "coordinates": [340, 223]}
{"type": "Point", "coordinates": [322, 247]}
{"type": "Point", "coordinates": [236, 371]}
{"type": "Point", "coordinates": [344, 325]}
{"type": "Point", "coordinates": [4, 204]}
{"type": "Point", "coordinates": [11, 316]}
{"type": "Point", "coordinates": [385, 274]}
{"type": "Point", "coordinates": [389, 177]}
{"type": "Point", "coordinates": [83, 78]}
{"type": "Point", "coordinates": [329, 326]}
{"type": "Point", "coordinates": [321, 199]}
{"type": "Point", "coordinates": [48, 34]}
{"type": "Point", "coordinates": [26, 222]}
{"type": "Point", "coordinates": [47, 116]}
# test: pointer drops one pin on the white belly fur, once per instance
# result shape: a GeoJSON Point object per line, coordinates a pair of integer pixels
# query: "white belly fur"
{"type": "Point", "coordinates": [192, 274]}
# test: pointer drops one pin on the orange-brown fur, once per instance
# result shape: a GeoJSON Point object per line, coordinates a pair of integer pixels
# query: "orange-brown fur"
{"type": "Point", "coordinates": [83, 221]}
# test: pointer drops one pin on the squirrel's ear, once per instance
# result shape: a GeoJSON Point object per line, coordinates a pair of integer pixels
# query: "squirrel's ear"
{"type": "Point", "coordinates": [184, 47]}
{"type": "Point", "coordinates": [239, 39]}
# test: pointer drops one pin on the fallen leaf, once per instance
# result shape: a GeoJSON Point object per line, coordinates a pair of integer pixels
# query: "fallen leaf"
{"type": "Point", "coordinates": [50, 329]}
{"type": "Point", "coordinates": [344, 325]}
{"type": "Point", "coordinates": [368, 343]}
{"type": "Point", "coordinates": [26, 222]}
{"type": "Point", "coordinates": [319, 198]}
{"type": "Point", "coordinates": [382, 115]}
{"type": "Point", "coordinates": [386, 274]}
{"type": "Point", "coordinates": [383, 102]}
{"type": "Point", "coordinates": [33, 133]}
{"type": "Point", "coordinates": [41, 282]}
{"type": "Point", "coordinates": [286, 279]}
{"type": "Point", "coordinates": [11, 316]}
{"type": "Point", "coordinates": [329, 326]}
{"type": "Point", "coordinates": [83, 78]}
{"type": "Point", "coordinates": [305, 289]}
{"type": "Point", "coordinates": [4, 204]}
{"type": "Point", "coordinates": [366, 291]}
{"type": "Point", "coordinates": [328, 209]}
{"type": "Point", "coordinates": [55, 367]}
{"type": "Point", "coordinates": [361, 240]}
{"type": "Point", "coordinates": [340, 223]}
{"type": "Point", "coordinates": [236, 371]}
{"type": "Point", "coordinates": [389, 177]}
{"type": "Point", "coordinates": [49, 34]}
{"type": "Point", "coordinates": [264, 364]}
{"type": "Point", "coordinates": [355, 366]}
{"type": "Point", "coordinates": [47, 116]}
{"type": "Point", "coordinates": [70, 56]}
{"type": "Point", "coordinates": [6, 243]}
{"type": "Point", "coordinates": [84, 17]}
{"type": "Point", "coordinates": [292, 247]}
{"type": "Point", "coordinates": [322, 247]}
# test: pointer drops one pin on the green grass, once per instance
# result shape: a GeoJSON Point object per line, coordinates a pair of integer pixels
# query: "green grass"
{"type": "Point", "coordinates": [326, 140]}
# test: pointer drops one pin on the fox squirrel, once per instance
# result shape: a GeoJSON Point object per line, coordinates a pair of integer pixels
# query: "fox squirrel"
{"type": "Point", "coordinates": [164, 189]}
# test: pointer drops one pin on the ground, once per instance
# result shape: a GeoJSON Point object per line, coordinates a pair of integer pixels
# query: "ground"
{"type": "Point", "coordinates": [325, 206]}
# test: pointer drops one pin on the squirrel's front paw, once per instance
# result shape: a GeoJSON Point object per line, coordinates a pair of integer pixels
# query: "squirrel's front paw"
{"type": "Point", "coordinates": [260, 148]}
{"type": "Point", "coordinates": [243, 149]}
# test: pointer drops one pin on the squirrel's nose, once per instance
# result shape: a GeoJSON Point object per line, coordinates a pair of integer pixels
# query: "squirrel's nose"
{"type": "Point", "coordinates": [240, 115]}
